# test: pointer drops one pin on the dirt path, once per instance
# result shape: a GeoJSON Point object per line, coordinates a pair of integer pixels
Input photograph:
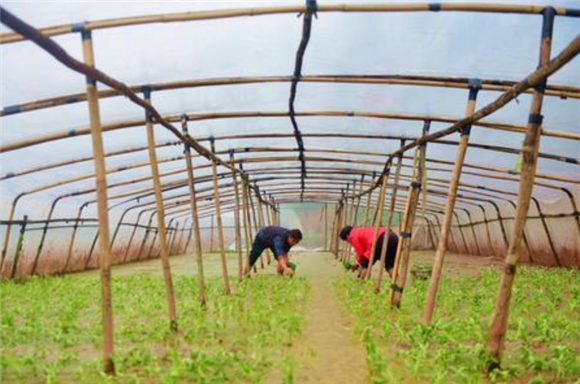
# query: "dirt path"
{"type": "Point", "coordinates": [330, 354]}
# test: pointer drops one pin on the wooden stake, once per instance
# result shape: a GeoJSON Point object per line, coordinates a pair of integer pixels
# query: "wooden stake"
{"type": "Point", "coordinates": [449, 208]}
{"type": "Point", "coordinates": [237, 220]}
{"type": "Point", "coordinates": [247, 224]}
{"type": "Point", "coordinates": [389, 222]}
{"type": "Point", "coordinates": [405, 238]}
{"type": "Point", "coordinates": [198, 252]}
{"type": "Point", "coordinates": [530, 147]}
{"type": "Point", "coordinates": [102, 205]}
{"type": "Point", "coordinates": [72, 239]}
{"type": "Point", "coordinates": [220, 229]}
{"type": "Point", "coordinates": [19, 246]}
{"type": "Point", "coordinates": [160, 209]}
{"type": "Point", "coordinates": [377, 223]}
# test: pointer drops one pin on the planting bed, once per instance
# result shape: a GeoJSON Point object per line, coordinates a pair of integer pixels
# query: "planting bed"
{"type": "Point", "coordinates": [543, 340]}
{"type": "Point", "coordinates": [323, 326]}
{"type": "Point", "coordinates": [51, 330]}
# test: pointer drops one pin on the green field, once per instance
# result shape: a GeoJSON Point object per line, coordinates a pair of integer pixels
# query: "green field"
{"type": "Point", "coordinates": [323, 326]}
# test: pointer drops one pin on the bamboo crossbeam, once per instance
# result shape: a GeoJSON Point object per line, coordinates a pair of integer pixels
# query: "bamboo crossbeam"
{"type": "Point", "coordinates": [562, 91]}
{"type": "Point", "coordinates": [6, 38]}
{"type": "Point", "coordinates": [132, 123]}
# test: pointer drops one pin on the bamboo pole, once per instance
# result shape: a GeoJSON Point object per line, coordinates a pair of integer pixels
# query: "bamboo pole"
{"type": "Point", "coordinates": [377, 223]}
{"type": "Point", "coordinates": [561, 91]}
{"type": "Point", "coordinates": [128, 246]}
{"type": "Point", "coordinates": [254, 220]}
{"type": "Point", "coordinates": [247, 224]}
{"type": "Point", "coordinates": [347, 217]}
{"type": "Point", "coordinates": [220, 230]}
{"type": "Point", "coordinates": [43, 236]}
{"type": "Point", "coordinates": [6, 38]}
{"type": "Point", "coordinates": [262, 224]}
{"type": "Point", "coordinates": [72, 238]}
{"type": "Point", "coordinates": [171, 247]}
{"type": "Point", "coordinates": [404, 245]}
{"type": "Point", "coordinates": [238, 232]}
{"type": "Point", "coordinates": [530, 147]}
{"type": "Point", "coordinates": [160, 209]}
{"type": "Point", "coordinates": [19, 246]}
{"type": "Point", "coordinates": [389, 222]}
{"type": "Point", "coordinates": [211, 230]}
{"type": "Point", "coordinates": [326, 227]}
{"type": "Point", "coordinates": [476, 121]}
{"type": "Point", "coordinates": [103, 212]}
{"type": "Point", "coordinates": [354, 211]}
{"type": "Point", "coordinates": [194, 217]}
{"type": "Point", "coordinates": [449, 209]}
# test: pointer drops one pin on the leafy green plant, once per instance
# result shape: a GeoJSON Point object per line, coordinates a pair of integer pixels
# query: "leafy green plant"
{"type": "Point", "coordinates": [542, 340]}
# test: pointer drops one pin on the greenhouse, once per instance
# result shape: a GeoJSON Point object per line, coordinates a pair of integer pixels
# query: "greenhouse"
{"type": "Point", "coordinates": [290, 192]}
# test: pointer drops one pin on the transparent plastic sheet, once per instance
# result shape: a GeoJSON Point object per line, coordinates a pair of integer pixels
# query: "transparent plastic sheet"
{"type": "Point", "coordinates": [421, 43]}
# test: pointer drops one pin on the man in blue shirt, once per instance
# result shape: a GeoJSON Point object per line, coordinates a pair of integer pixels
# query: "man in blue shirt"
{"type": "Point", "coordinates": [279, 240]}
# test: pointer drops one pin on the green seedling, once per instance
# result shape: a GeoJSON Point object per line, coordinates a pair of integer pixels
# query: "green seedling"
{"type": "Point", "coordinates": [292, 266]}
{"type": "Point", "coordinates": [347, 265]}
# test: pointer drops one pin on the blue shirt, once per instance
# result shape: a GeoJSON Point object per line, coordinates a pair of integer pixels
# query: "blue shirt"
{"type": "Point", "coordinates": [275, 238]}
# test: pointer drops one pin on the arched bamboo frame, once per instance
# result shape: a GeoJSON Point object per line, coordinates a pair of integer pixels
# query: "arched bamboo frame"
{"type": "Point", "coordinates": [533, 131]}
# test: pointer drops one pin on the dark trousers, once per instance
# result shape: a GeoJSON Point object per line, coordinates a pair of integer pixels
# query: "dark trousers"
{"type": "Point", "coordinates": [258, 247]}
{"type": "Point", "coordinates": [391, 251]}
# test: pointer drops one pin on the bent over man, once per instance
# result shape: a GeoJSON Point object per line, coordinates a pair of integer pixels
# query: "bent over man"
{"type": "Point", "coordinates": [362, 240]}
{"type": "Point", "coordinates": [279, 240]}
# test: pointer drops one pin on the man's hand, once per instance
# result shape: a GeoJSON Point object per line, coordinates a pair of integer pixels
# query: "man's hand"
{"type": "Point", "coordinates": [354, 267]}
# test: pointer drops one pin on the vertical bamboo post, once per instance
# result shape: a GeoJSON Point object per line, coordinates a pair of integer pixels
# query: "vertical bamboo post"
{"type": "Point", "coordinates": [334, 230]}
{"type": "Point", "coordinates": [326, 226]}
{"type": "Point", "coordinates": [19, 246]}
{"type": "Point", "coordinates": [390, 219]}
{"type": "Point", "coordinates": [338, 215]}
{"type": "Point", "coordinates": [128, 246]}
{"type": "Point", "coordinates": [148, 229]}
{"type": "Point", "coordinates": [43, 236]}
{"type": "Point", "coordinates": [92, 249]}
{"type": "Point", "coordinates": [9, 229]}
{"type": "Point", "coordinates": [194, 216]}
{"type": "Point", "coordinates": [211, 227]}
{"type": "Point", "coordinates": [118, 229]}
{"type": "Point", "coordinates": [171, 247]}
{"type": "Point", "coordinates": [218, 217]}
{"type": "Point", "coordinates": [405, 239]}
{"type": "Point", "coordinates": [345, 221]}
{"type": "Point", "coordinates": [102, 205]}
{"type": "Point", "coordinates": [72, 238]}
{"type": "Point", "coordinates": [369, 201]}
{"type": "Point", "coordinates": [254, 220]}
{"type": "Point", "coordinates": [530, 147]}
{"type": "Point", "coordinates": [474, 87]}
{"type": "Point", "coordinates": [247, 224]}
{"type": "Point", "coordinates": [354, 212]}
{"type": "Point", "coordinates": [237, 218]}
{"type": "Point", "coordinates": [262, 224]}
{"type": "Point", "coordinates": [160, 209]}
{"type": "Point", "coordinates": [377, 223]}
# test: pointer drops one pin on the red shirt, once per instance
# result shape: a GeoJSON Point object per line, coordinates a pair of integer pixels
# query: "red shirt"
{"type": "Point", "coordinates": [361, 239]}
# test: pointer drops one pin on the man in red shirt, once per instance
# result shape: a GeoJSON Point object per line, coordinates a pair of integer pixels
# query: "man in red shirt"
{"type": "Point", "coordinates": [361, 239]}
